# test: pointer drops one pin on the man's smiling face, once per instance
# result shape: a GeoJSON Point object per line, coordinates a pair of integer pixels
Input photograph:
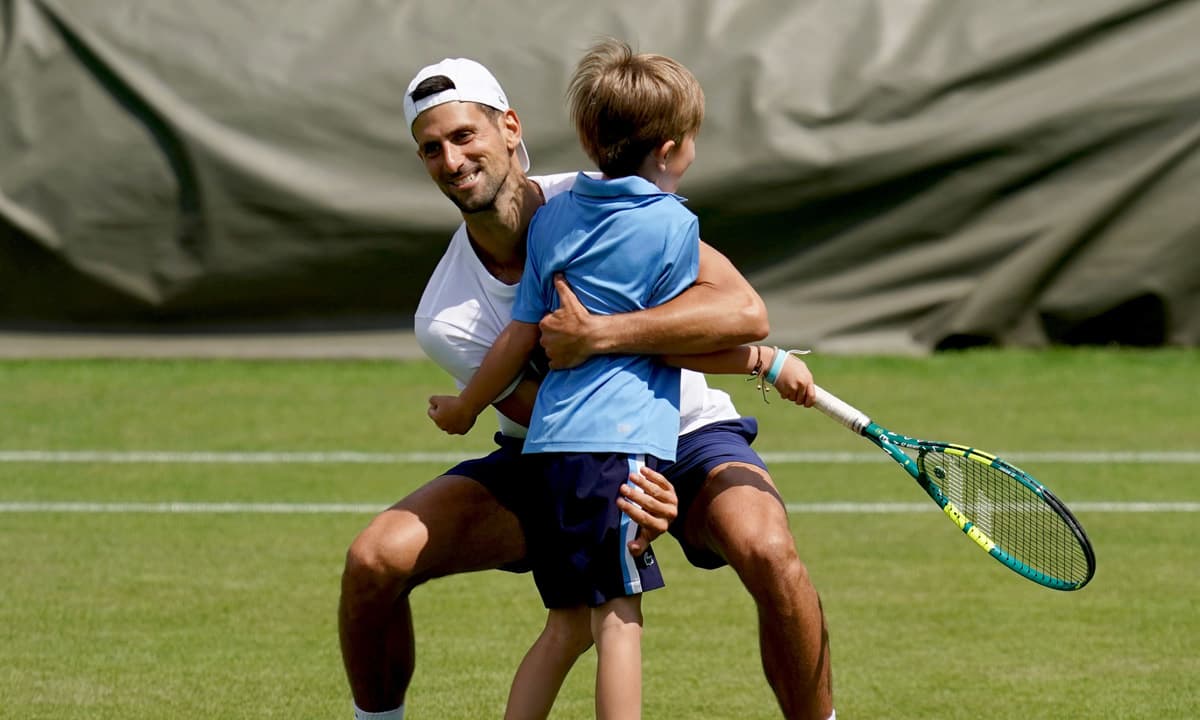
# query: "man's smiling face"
{"type": "Point", "coordinates": [466, 151]}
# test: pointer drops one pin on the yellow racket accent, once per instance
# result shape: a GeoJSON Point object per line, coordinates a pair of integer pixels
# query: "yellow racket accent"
{"type": "Point", "coordinates": [969, 452]}
{"type": "Point", "coordinates": [1041, 540]}
{"type": "Point", "coordinates": [968, 527]}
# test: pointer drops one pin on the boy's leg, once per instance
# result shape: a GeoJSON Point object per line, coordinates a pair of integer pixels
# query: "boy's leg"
{"type": "Point", "coordinates": [617, 630]}
{"type": "Point", "coordinates": [567, 635]}
{"type": "Point", "coordinates": [588, 557]}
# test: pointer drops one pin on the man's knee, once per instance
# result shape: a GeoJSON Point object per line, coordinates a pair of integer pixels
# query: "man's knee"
{"type": "Point", "coordinates": [382, 559]}
{"type": "Point", "coordinates": [757, 541]}
{"type": "Point", "coordinates": [744, 517]}
{"type": "Point", "coordinates": [771, 550]}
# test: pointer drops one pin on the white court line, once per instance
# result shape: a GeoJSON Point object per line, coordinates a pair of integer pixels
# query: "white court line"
{"type": "Point", "coordinates": [232, 458]}
{"type": "Point", "coordinates": [169, 457]}
{"type": "Point", "coordinates": [197, 508]}
{"type": "Point", "coordinates": [1070, 457]}
{"type": "Point", "coordinates": [1084, 457]}
{"type": "Point", "coordinates": [1083, 507]}
{"type": "Point", "coordinates": [278, 508]}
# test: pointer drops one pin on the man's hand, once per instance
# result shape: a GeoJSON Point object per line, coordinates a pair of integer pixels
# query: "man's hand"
{"type": "Point", "coordinates": [652, 504]}
{"type": "Point", "coordinates": [451, 414]}
{"type": "Point", "coordinates": [567, 333]}
{"type": "Point", "coordinates": [795, 381]}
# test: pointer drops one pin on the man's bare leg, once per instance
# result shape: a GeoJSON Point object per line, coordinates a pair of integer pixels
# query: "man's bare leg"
{"type": "Point", "coordinates": [740, 515]}
{"type": "Point", "coordinates": [449, 526]}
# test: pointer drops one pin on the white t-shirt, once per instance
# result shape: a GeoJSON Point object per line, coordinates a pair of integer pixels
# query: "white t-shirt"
{"type": "Point", "coordinates": [465, 308]}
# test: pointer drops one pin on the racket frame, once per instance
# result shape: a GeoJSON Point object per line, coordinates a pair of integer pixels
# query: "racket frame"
{"type": "Point", "coordinates": [894, 445]}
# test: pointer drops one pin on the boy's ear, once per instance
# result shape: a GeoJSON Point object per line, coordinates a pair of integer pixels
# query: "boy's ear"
{"type": "Point", "coordinates": [662, 153]}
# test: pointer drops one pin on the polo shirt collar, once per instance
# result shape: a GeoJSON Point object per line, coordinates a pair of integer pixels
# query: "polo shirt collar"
{"type": "Point", "coordinates": [617, 187]}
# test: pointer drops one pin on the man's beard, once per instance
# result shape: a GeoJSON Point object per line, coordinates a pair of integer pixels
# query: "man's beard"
{"type": "Point", "coordinates": [485, 201]}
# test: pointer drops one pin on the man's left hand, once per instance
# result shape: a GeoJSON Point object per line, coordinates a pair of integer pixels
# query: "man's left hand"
{"type": "Point", "coordinates": [567, 333]}
{"type": "Point", "coordinates": [651, 503]}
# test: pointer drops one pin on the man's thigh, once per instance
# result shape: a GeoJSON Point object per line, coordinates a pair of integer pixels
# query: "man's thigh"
{"type": "Point", "coordinates": [737, 504]}
{"type": "Point", "coordinates": [450, 525]}
{"type": "Point", "coordinates": [715, 471]}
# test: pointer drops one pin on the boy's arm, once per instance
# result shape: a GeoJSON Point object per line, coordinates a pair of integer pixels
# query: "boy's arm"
{"type": "Point", "coordinates": [518, 404]}
{"type": "Point", "coordinates": [506, 359]}
{"type": "Point", "coordinates": [719, 311]}
{"type": "Point", "coordinates": [788, 373]}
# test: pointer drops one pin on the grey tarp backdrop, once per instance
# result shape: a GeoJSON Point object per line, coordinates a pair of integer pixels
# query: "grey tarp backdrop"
{"type": "Point", "coordinates": [892, 175]}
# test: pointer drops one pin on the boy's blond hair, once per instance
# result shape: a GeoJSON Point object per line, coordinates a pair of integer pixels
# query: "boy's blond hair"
{"type": "Point", "coordinates": [624, 105]}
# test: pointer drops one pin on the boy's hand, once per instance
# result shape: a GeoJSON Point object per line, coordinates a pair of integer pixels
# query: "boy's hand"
{"type": "Point", "coordinates": [652, 504]}
{"type": "Point", "coordinates": [795, 382]}
{"type": "Point", "coordinates": [451, 414]}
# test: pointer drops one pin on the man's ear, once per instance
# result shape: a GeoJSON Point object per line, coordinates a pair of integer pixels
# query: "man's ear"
{"type": "Point", "coordinates": [512, 127]}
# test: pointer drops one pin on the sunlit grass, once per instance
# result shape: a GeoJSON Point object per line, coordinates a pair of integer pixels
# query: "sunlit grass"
{"type": "Point", "coordinates": [140, 615]}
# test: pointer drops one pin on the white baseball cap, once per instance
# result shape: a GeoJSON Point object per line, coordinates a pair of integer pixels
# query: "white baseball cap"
{"type": "Point", "coordinates": [472, 83]}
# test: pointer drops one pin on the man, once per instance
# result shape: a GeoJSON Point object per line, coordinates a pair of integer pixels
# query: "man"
{"type": "Point", "coordinates": [468, 519]}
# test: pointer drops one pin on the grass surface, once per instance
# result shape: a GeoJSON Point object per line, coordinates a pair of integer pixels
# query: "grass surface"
{"type": "Point", "coordinates": [232, 615]}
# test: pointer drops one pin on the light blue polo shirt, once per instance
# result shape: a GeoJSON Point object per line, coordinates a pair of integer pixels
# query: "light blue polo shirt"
{"type": "Point", "coordinates": [624, 245]}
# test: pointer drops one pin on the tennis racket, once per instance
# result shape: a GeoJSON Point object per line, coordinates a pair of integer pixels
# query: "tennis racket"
{"type": "Point", "coordinates": [1013, 517]}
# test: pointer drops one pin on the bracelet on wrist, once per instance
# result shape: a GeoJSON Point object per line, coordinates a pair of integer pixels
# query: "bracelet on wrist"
{"type": "Point", "coordinates": [776, 366]}
{"type": "Point", "coordinates": [756, 373]}
{"type": "Point", "coordinates": [778, 360]}
{"type": "Point", "coordinates": [757, 361]}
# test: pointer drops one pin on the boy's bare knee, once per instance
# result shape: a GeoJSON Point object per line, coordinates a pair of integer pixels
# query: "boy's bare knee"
{"type": "Point", "coordinates": [570, 632]}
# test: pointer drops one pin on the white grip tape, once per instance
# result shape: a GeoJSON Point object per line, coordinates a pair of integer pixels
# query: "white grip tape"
{"type": "Point", "coordinates": [840, 410]}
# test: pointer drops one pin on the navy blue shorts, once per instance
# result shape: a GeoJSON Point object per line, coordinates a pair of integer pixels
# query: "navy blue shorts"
{"type": "Point", "coordinates": [513, 478]}
{"type": "Point", "coordinates": [577, 544]}
{"type": "Point", "coordinates": [698, 453]}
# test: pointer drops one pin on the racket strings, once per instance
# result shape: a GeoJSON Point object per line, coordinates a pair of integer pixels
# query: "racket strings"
{"type": "Point", "coordinates": [1020, 520]}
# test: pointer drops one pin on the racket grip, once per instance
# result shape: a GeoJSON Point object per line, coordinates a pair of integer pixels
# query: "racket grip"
{"type": "Point", "coordinates": [840, 410]}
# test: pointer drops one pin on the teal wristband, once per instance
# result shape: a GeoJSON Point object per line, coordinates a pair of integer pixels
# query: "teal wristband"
{"type": "Point", "coordinates": [776, 366]}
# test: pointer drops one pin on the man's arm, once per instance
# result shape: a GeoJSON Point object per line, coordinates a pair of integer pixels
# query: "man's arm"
{"type": "Point", "coordinates": [721, 310]}
{"type": "Point", "coordinates": [788, 373]}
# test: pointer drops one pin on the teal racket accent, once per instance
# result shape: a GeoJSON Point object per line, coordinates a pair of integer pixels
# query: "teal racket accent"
{"type": "Point", "coordinates": [1004, 510]}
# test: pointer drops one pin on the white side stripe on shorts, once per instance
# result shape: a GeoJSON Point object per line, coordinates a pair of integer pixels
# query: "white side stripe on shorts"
{"type": "Point", "coordinates": [629, 529]}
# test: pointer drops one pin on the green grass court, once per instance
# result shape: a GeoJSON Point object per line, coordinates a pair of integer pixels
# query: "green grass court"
{"type": "Point", "coordinates": [208, 589]}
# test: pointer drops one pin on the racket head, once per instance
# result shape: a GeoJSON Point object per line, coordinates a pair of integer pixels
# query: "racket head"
{"type": "Point", "coordinates": [1008, 513]}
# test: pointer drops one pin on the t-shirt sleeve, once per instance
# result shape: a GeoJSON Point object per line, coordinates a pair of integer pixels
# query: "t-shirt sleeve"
{"type": "Point", "coordinates": [681, 256]}
{"type": "Point", "coordinates": [455, 350]}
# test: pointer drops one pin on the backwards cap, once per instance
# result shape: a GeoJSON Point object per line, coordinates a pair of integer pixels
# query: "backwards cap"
{"type": "Point", "coordinates": [472, 83]}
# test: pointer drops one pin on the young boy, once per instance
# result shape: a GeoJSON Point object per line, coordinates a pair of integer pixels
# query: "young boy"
{"type": "Point", "coordinates": [625, 243]}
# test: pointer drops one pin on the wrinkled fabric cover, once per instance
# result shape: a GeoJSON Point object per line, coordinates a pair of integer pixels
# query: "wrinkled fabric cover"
{"type": "Point", "coordinates": [891, 176]}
